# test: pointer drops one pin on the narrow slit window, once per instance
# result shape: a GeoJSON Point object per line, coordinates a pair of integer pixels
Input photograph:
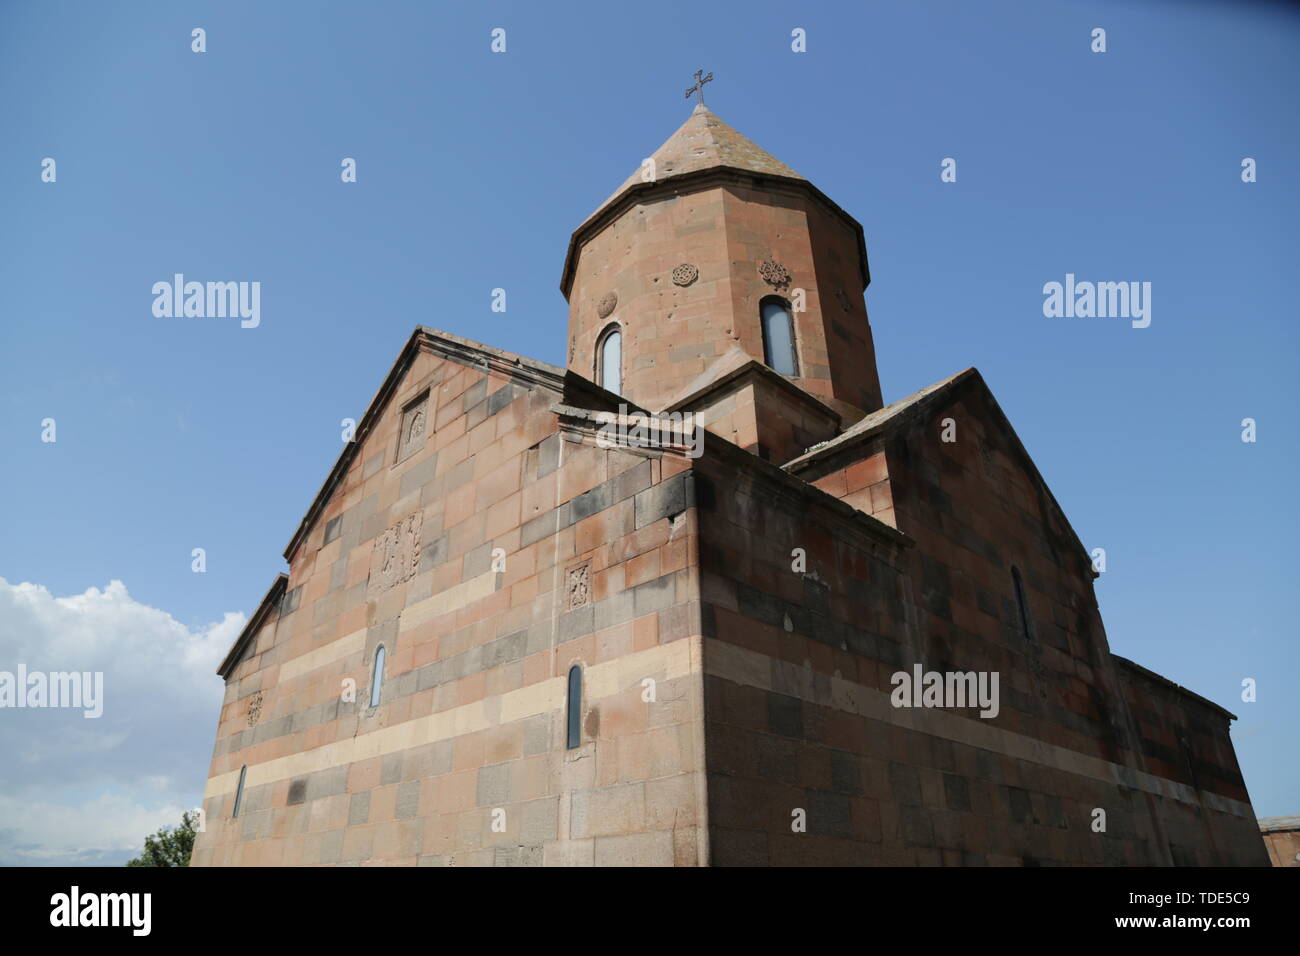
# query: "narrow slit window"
{"type": "Point", "coordinates": [377, 680]}
{"type": "Point", "coordinates": [611, 361]}
{"type": "Point", "coordinates": [778, 336]}
{"type": "Point", "coordinates": [574, 728]}
{"type": "Point", "coordinates": [239, 790]}
{"type": "Point", "coordinates": [1020, 601]}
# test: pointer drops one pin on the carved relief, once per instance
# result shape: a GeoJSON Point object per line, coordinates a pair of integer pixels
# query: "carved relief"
{"type": "Point", "coordinates": [414, 422]}
{"type": "Point", "coordinates": [608, 302]}
{"type": "Point", "coordinates": [577, 589]}
{"type": "Point", "coordinates": [685, 274]}
{"type": "Point", "coordinates": [396, 555]}
{"type": "Point", "coordinates": [254, 708]}
{"type": "Point", "coordinates": [774, 273]}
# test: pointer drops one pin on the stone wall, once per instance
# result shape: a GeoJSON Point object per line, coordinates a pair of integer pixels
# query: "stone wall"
{"type": "Point", "coordinates": [487, 555]}
{"type": "Point", "coordinates": [798, 667]}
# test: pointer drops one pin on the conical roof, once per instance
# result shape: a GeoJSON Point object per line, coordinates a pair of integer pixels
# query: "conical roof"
{"type": "Point", "coordinates": [704, 142]}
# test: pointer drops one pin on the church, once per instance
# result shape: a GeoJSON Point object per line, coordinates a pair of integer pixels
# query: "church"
{"type": "Point", "coordinates": [524, 627]}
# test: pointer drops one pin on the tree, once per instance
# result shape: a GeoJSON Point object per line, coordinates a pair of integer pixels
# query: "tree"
{"type": "Point", "coordinates": [170, 846]}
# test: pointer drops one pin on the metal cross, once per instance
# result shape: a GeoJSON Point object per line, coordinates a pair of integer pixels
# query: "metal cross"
{"type": "Point", "coordinates": [700, 80]}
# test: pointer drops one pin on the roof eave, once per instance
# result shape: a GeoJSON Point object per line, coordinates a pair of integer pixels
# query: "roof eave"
{"type": "Point", "coordinates": [693, 182]}
{"type": "Point", "coordinates": [465, 351]}
{"type": "Point", "coordinates": [270, 601]}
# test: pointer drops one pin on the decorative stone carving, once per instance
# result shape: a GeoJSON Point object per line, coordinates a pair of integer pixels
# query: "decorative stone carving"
{"type": "Point", "coordinates": [396, 555]}
{"type": "Point", "coordinates": [254, 708]}
{"type": "Point", "coordinates": [577, 587]}
{"type": "Point", "coordinates": [607, 304]}
{"type": "Point", "coordinates": [415, 420]}
{"type": "Point", "coordinates": [685, 274]}
{"type": "Point", "coordinates": [773, 273]}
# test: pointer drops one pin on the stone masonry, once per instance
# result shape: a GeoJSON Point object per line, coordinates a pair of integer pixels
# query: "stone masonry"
{"type": "Point", "coordinates": [736, 616]}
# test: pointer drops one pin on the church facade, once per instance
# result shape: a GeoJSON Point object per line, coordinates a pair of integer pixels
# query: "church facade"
{"type": "Point", "coordinates": [526, 625]}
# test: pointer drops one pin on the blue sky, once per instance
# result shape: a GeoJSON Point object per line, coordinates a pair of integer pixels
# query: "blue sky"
{"type": "Point", "coordinates": [473, 169]}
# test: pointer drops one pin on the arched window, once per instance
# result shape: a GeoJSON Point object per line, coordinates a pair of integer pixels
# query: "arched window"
{"type": "Point", "coordinates": [1020, 601]}
{"type": "Point", "coordinates": [778, 335]}
{"type": "Point", "coordinates": [609, 360]}
{"type": "Point", "coordinates": [239, 790]}
{"type": "Point", "coordinates": [377, 680]}
{"type": "Point", "coordinates": [573, 736]}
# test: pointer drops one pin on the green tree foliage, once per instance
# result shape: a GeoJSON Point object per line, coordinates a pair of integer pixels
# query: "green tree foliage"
{"type": "Point", "coordinates": [170, 846]}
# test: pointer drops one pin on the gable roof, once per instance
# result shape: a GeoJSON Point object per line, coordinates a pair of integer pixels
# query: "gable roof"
{"type": "Point", "coordinates": [734, 368]}
{"type": "Point", "coordinates": [269, 604]}
{"type": "Point", "coordinates": [526, 371]}
{"type": "Point", "coordinates": [917, 407]}
{"type": "Point", "coordinates": [1173, 687]}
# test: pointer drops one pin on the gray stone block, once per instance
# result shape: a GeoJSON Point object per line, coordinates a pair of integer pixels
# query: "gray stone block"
{"type": "Point", "coordinates": [505, 649]}
{"type": "Point", "coordinates": [408, 800]}
{"type": "Point", "coordinates": [614, 609]}
{"type": "Point", "coordinates": [339, 573]}
{"type": "Point", "coordinates": [656, 595]}
{"type": "Point", "coordinates": [419, 475]}
{"type": "Point", "coordinates": [785, 715]}
{"type": "Point", "coordinates": [915, 824]}
{"type": "Point", "coordinates": [543, 526]}
{"type": "Point", "coordinates": [846, 775]}
{"type": "Point", "coordinates": [331, 846]}
{"type": "Point", "coordinates": [905, 784]}
{"type": "Point", "coordinates": [501, 398]}
{"type": "Point", "coordinates": [956, 792]}
{"type": "Point", "coordinates": [576, 624]}
{"type": "Point", "coordinates": [430, 675]}
{"type": "Point", "coordinates": [1021, 807]}
{"type": "Point", "coordinates": [537, 735]}
{"type": "Point", "coordinates": [390, 769]}
{"type": "Point", "coordinates": [592, 502]}
{"type": "Point", "coordinates": [493, 785]}
{"type": "Point", "coordinates": [474, 394]}
{"type": "Point", "coordinates": [778, 758]}
{"type": "Point", "coordinates": [477, 561]}
{"type": "Point", "coordinates": [828, 813]}
{"type": "Point", "coordinates": [548, 456]}
{"type": "Point", "coordinates": [359, 809]}
{"type": "Point", "coordinates": [539, 820]}
{"type": "Point", "coordinates": [663, 500]}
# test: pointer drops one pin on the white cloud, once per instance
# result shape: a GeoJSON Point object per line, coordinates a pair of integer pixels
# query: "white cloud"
{"type": "Point", "coordinates": [107, 829]}
{"type": "Point", "coordinates": [90, 790]}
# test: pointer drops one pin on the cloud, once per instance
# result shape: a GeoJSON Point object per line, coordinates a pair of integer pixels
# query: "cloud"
{"type": "Point", "coordinates": [83, 790]}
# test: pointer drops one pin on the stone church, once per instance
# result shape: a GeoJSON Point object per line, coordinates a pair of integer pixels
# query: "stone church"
{"type": "Point", "coordinates": [524, 626]}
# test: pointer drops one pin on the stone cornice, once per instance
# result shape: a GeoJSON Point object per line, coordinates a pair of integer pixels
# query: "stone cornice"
{"type": "Point", "coordinates": [695, 182]}
{"type": "Point", "coordinates": [526, 371]}
{"type": "Point", "coordinates": [269, 603]}
{"type": "Point", "coordinates": [846, 449]}
{"type": "Point", "coordinates": [1165, 682]}
{"type": "Point", "coordinates": [583, 425]}
{"type": "Point", "coordinates": [748, 372]}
